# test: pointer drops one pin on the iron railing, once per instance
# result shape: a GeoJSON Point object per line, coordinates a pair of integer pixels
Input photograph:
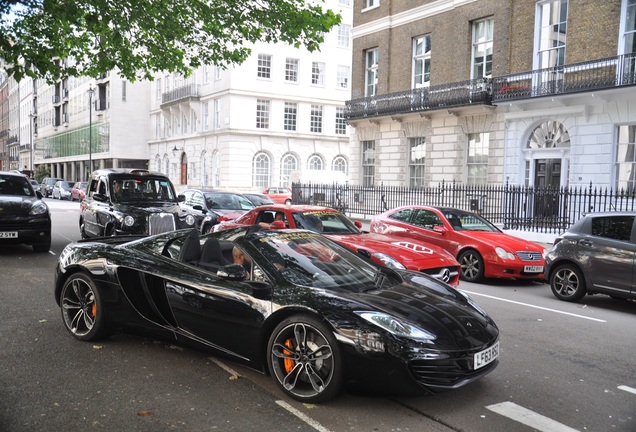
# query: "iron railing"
{"type": "Point", "coordinates": [592, 75]}
{"type": "Point", "coordinates": [544, 210]}
{"type": "Point", "coordinates": [190, 91]}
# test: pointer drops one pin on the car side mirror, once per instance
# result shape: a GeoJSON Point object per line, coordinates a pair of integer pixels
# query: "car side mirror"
{"type": "Point", "coordinates": [358, 224]}
{"type": "Point", "coordinates": [181, 198]}
{"type": "Point", "coordinates": [233, 272]}
{"type": "Point", "coordinates": [440, 229]}
{"type": "Point", "coordinates": [100, 197]}
{"type": "Point", "coordinates": [39, 194]}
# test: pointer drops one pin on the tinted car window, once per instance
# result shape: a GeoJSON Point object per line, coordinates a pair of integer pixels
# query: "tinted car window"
{"type": "Point", "coordinates": [614, 227]}
{"type": "Point", "coordinates": [13, 185]}
{"type": "Point", "coordinates": [402, 215]}
{"type": "Point", "coordinates": [426, 219]}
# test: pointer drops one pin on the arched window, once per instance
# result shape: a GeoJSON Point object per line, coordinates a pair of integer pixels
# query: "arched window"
{"type": "Point", "coordinates": [315, 162]}
{"type": "Point", "coordinates": [261, 170]}
{"type": "Point", "coordinates": [158, 163]}
{"type": "Point", "coordinates": [340, 164]}
{"type": "Point", "coordinates": [288, 164]}
{"type": "Point", "coordinates": [549, 134]}
{"type": "Point", "coordinates": [183, 178]}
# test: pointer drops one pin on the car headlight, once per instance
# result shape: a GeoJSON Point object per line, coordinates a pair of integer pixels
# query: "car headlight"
{"type": "Point", "coordinates": [388, 261]}
{"type": "Point", "coordinates": [38, 208]}
{"type": "Point", "coordinates": [503, 254]}
{"type": "Point", "coordinates": [129, 221]}
{"type": "Point", "coordinates": [189, 219]}
{"type": "Point", "coordinates": [396, 326]}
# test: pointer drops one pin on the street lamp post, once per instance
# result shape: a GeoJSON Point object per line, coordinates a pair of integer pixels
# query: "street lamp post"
{"type": "Point", "coordinates": [91, 91]}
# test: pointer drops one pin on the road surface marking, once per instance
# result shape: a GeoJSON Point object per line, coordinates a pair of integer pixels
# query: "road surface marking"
{"type": "Point", "coordinates": [224, 367]}
{"type": "Point", "coordinates": [536, 307]}
{"type": "Point", "coordinates": [627, 389]}
{"type": "Point", "coordinates": [311, 422]}
{"type": "Point", "coordinates": [529, 418]}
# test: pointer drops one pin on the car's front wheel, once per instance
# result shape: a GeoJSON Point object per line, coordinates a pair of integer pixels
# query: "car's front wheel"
{"type": "Point", "coordinates": [472, 266]}
{"type": "Point", "coordinates": [305, 360]}
{"type": "Point", "coordinates": [567, 283]}
{"type": "Point", "coordinates": [82, 308]}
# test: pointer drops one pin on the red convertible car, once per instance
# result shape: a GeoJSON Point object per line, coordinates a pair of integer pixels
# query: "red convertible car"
{"type": "Point", "coordinates": [390, 251]}
{"type": "Point", "coordinates": [482, 249]}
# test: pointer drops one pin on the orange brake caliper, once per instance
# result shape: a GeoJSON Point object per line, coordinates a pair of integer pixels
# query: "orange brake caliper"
{"type": "Point", "coordinates": [289, 363]}
{"type": "Point", "coordinates": [94, 309]}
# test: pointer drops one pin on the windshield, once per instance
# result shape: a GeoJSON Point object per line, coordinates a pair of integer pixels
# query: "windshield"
{"type": "Point", "coordinates": [227, 201]}
{"type": "Point", "coordinates": [325, 221]}
{"type": "Point", "coordinates": [466, 221]}
{"type": "Point", "coordinates": [308, 259]}
{"type": "Point", "coordinates": [15, 185]}
{"type": "Point", "coordinates": [142, 189]}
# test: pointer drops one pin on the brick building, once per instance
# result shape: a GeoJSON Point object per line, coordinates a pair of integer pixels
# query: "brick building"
{"type": "Point", "coordinates": [490, 91]}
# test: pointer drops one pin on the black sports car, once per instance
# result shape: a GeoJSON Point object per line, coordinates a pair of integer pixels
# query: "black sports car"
{"type": "Point", "coordinates": [299, 306]}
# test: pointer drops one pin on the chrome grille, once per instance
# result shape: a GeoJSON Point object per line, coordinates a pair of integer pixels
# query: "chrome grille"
{"type": "Point", "coordinates": [160, 223]}
{"type": "Point", "coordinates": [529, 255]}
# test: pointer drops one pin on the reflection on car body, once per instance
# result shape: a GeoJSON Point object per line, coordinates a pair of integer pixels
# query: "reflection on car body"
{"type": "Point", "coordinates": [311, 312]}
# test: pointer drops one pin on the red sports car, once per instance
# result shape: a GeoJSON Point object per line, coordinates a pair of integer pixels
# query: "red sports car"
{"type": "Point", "coordinates": [482, 249]}
{"type": "Point", "coordinates": [391, 251]}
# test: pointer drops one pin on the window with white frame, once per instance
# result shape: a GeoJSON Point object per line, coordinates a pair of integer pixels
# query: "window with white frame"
{"type": "Point", "coordinates": [368, 163]}
{"type": "Point", "coordinates": [158, 163]}
{"type": "Point", "coordinates": [371, 75]}
{"type": "Point", "coordinates": [482, 48]}
{"type": "Point", "coordinates": [217, 72]}
{"type": "Point", "coordinates": [158, 90]}
{"type": "Point", "coordinates": [264, 66]}
{"type": "Point", "coordinates": [206, 116]}
{"type": "Point", "coordinates": [627, 43]}
{"type": "Point", "coordinates": [477, 159]}
{"type": "Point", "coordinates": [289, 119]}
{"type": "Point", "coordinates": [318, 73]}
{"type": "Point", "coordinates": [626, 158]}
{"type": "Point", "coordinates": [261, 170]}
{"type": "Point", "coordinates": [166, 165]}
{"type": "Point", "coordinates": [344, 35]}
{"type": "Point", "coordinates": [342, 77]}
{"type": "Point", "coordinates": [262, 114]}
{"type": "Point", "coordinates": [422, 61]}
{"type": "Point", "coordinates": [288, 164]}
{"type": "Point", "coordinates": [194, 121]}
{"type": "Point", "coordinates": [216, 168]}
{"type": "Point", "coordinates": [185, 124]}
{"type": "Point", "coordinates": [417, 159]}
{"type": "Point", "coordinates": [206, 73]}
{"type": "Point", "coordinates": [158, 126]}
{"type": "Point", "coordinates": [315, 124]}
{"type": "Point", "coordinates": [203, 160]}
{"type": "Point", "coordinates": [315, 162]}
{"type": "Point", "coordinates": [341, 125]}
{"type": "Point", "coordinates": [291, 70]}
{"type": "Point", "coordinates": [344, 2]}
{"type": "Point", "coordinates": [217, 114]}
{"type": "Point", "coordinates": [166, 127]}
{"type": "Point", "coordinates": [167, 82]}
{"type": "Point", "coordinates": [551, 26]}
{"type": "Point", "coordinates": [340, 164]}
{"type": "Point", "coordinates": [372, 3]}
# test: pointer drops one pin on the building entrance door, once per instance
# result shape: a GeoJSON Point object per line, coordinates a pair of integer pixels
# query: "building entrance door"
{"type": "Point", "coordinates": [547, 182]}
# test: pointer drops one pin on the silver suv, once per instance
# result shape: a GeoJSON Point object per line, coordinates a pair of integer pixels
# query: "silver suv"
{"type": "Point", "coordinates": [594, 256]}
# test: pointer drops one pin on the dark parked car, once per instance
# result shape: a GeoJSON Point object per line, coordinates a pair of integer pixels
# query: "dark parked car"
{"type": "Point", "coordinates": [209, 207]}
{"type": "Point", "coordinates": [130, 201]}
{"type": "Point", "coordinates": [24, 217]}
{"type": "Point", "coordinates": [46, 187]}
{"type": "Point", "coordinates": [258, 199]}
{"type": "Point", "coordinates": [308, 311]}
{"type": "Point", "coordinates": [594, 256]}
{"type": "Point", "coordinates": [62, 190]}
{"type": "Point", "coordinates": [36, 186]}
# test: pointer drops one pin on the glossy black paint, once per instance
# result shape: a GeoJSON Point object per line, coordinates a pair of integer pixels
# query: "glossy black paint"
{"type": "Point", "coordinates": [145, 287]}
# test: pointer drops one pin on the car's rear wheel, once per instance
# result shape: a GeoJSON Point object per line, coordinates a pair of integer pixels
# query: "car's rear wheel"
{"type": "Point", "coordinates": [82, 308]}
{"type": "Point", "coordinates": [305, 360]}
{"type": "Point", "coordinates": [472, 266]}
{"type": "Point", "coordinates": [567, 283]}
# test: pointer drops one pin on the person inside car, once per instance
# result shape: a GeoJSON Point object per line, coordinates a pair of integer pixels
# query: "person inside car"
{"type": "Point", "coordinates": [118, 190]}
{"type": "Point", "coordinates": [280, 216]}
{"type": "Point", "coordinates": [239, 258]}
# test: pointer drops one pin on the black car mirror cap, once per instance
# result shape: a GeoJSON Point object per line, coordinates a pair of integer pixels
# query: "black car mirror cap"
{"type": "Point", "coordinates": [233, 272]}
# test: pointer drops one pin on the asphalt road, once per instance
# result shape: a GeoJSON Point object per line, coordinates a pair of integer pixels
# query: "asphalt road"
{"type": "Point", "coordinates": [564, 367]}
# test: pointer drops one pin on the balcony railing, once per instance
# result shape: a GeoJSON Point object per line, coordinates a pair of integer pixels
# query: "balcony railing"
{"type": "Point", "coordinates": [472, 92]}
{"type": "Point", "coordinates": [587, 76]}
{"type": "Point", "coordinates": [190, 91]}
{"type": "Point", "coordinates": [602, 74]}
{"type": "Point", "coordinates": [12, 139]}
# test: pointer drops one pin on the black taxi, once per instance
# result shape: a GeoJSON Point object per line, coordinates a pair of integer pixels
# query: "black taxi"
{"type": "Point", "coordinates": [122, 201]}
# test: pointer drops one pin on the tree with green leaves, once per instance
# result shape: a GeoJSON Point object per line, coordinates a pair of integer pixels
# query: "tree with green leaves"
{"type": "Point", "coordinates": [137, 38]}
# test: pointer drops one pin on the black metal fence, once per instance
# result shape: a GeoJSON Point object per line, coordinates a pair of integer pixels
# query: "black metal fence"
{"type": "Point", "coordinates": [544, 210]}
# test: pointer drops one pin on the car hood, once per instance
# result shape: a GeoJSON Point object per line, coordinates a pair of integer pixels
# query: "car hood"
{"type": "Point", "coordinates": [507, 241]}
{"type": "Point", "coordinates": [436, 308]}
{"type": "Point", "coordinates": [412, 254]}
{"type": "Point", "coordinates": [15, 205]}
